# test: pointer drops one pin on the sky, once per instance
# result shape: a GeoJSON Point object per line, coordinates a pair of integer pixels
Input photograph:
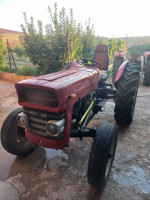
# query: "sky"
{"type": "Point", "coordinates": [111, 18]}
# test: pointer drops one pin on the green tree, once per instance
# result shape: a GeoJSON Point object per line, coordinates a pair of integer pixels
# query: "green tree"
{"type": "Point", "coordinates": [64, 41]}
{"type": "Point", "coordinates": [139, 48]}
{"type": "Point", "coordinates": [2, 53]}
{"type": "Point", "coordinates": [121, 44]}
{"type": "Point", "coordinates": [19, 50]}
{"type": "Point", "coordinates": [88, 41]}
{"type": "Point", "coordinates": [112, 47]}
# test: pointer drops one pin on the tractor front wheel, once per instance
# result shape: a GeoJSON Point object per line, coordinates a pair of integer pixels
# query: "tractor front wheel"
{"type": "Point", "coordinates": [102, 155]}
{"type": "Point", "coordinates": [146, 80]}
{"type": "Point", "coordinates": [127, 89]}
{"type": "Point", "coordinates": [13, 136]}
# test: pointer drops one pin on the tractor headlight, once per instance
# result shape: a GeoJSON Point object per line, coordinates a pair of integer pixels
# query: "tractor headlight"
{"type": "Point", "coordinates": [22, 120]}
{"type": "Point", "coordinates": [55, 127]}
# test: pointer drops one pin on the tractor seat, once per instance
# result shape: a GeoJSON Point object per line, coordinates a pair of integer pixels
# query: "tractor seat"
{"type": "Point", "coordinates": [103, 78]}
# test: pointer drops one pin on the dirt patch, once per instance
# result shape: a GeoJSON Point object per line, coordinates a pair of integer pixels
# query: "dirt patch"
{"type": "Point", "coordinates": [14, 78]}
{"type": "Point", "coordinates": [47, 174]}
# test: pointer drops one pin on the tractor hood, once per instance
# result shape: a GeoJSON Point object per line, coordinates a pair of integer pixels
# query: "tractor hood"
{"type": "Point", "coordinates": [52, 92]}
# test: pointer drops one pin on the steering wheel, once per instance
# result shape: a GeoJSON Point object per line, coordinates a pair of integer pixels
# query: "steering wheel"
{"type": "Point", "coordinates": [82, 61]}
{"type": "Point", "coordinates": [88, 62]}
{"type": "Point", "coordinates": [95, 62]}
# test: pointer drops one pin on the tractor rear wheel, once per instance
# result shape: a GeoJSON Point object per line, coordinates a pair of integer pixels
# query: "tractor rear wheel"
{"type": "Point", "coordinates": [127, 89]}
{"type": "Point", "coordinates": [146, 80]}
{"type": "Point", "coordinates": [102, 155]}
{"type": "Point", "coordinates": [13, 136]}
{"type": "Point", "coordinates": [116, 64]}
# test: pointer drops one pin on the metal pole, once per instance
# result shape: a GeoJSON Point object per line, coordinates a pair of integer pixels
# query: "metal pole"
{"type": "Point", "coordinates": [9, 55]}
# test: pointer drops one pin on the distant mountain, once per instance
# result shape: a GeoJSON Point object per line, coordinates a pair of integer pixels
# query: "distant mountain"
{"type": "Point", "coordinates": [13, 38]}
{"type": "Point", "coordinates": [131, 41]}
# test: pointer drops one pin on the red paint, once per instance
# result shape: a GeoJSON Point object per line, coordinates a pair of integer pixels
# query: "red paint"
{"type": "Point", "coordinates": [120, 71]}
{"type": "Point", "coordinates": [101, 55]}
{"type": "Point", "coordinates": [101, 48]}
{"type": "Point", "coordinates": [74, 64]}
{"type": "Point", "coordinates": [147, 54]}
{"type": "Point", "coordinates": [119, 54]}
{"type": "Point", "coordinates": [55, 144]}
{"type": "Point", "coordinates": [79, 80]}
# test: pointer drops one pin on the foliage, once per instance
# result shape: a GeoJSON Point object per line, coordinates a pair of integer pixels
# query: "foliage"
{"type": "Point", "coordinates": [139, 48]}
{"type": "Point", "coordinates": [22, 70]}
{"type": "Point", "coordinates": [112, 47]}
{"type": "Point", "coordinates": [2, 53]}
{"type": "Point", "coordinates": [65, 40]}
{"type": "Point", "coordinates": [88, 41]}
{"type": "Point", "coordinates": [28, 71]}
{"type": "Point", "coordinates": [5, 68]}
{"type": "Point", "coordinates": [121, 44]}
{"type": "Point", "coordinates": [19, 50]}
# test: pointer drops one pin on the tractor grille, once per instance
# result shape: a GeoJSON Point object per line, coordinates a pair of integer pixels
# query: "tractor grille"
{"type": "Point", "coordinates": [38, 119]}
{"type": "Point", "coordinates": [37, 96]}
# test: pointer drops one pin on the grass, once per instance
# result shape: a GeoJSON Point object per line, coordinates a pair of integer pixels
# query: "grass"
{"type": "Point", "coordinates": [5, 68]}
{"type": "Point", "coordinates": [28, 71]}
{"type": "Point", "coordinates": [110, 72]}
{"type": "Point", "coordinates": [22, 70]}
{"type": "Point", "coordinates": [110, 69]}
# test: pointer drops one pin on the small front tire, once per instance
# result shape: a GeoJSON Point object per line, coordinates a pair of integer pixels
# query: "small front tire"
{"type": "Point", "coordinates": [13, 136]}
{"type": "Point", "coordinates": [102, 155]}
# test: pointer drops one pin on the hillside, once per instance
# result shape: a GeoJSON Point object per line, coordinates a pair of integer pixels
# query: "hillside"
{"type": "Point", "coordinates": [12, 36]}
{"type": "Point", "coordinates": [131, 41]}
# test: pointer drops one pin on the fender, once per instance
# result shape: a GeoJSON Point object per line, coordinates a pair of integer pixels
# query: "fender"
{"type": "Point", "coordinates": [120, 72]}
{"type": "Point", "coordinates": [146, 54]}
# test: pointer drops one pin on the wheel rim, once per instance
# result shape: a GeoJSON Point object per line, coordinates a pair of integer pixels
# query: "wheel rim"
{"type": "Point", "coordinates": [110, 159]}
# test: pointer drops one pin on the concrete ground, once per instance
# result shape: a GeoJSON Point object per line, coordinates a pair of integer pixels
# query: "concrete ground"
{"type": "Point", "coordinates": [47, 174]}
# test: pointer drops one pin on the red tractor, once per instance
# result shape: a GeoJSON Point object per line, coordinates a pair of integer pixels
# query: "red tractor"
{"type": "Point", "coordinates": [146, 69]}
{"type": "Point", "coordinates": [59, 106]}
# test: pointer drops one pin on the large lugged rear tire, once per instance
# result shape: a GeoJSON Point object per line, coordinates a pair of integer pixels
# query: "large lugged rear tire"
{"type": "Point", "coordinates": [102, 155]}
{"type": "Point", "coordinates": [116, 64]}
{"type": "Point", "coordinates": [127, 89]}
{"type": "Point", "coordinates": [13, 136]}
{"type": "Point", "coordinates": [146, 80]}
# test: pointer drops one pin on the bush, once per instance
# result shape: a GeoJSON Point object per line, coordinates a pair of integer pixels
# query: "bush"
{"type": "Point", "coordinates": [139, 48]}
{"type": "Point", "coordinates": [2, 53]}
{"type": "Point", "coordinates": [19, 50]}
{"type": "Point", "coordinates": [22, 70]}
{"type": "Point", "coordinates": [28, 71]}
{"type": "Point", "coordinates": [5, 68]}
{"type": "Point", "coordinates": [64, 40]}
